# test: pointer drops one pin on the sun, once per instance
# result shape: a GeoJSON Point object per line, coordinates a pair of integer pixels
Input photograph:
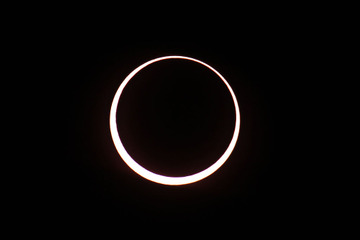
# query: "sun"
{"type": "Point", "coordinates": [161, 179]}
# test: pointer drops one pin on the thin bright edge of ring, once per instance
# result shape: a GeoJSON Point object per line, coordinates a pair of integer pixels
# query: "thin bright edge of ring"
{"type": "Point", "coordinates": [166, 180]}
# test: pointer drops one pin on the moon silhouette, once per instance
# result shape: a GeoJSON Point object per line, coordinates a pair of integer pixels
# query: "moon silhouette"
{"type": "Point", "coordinates": [161, 179]}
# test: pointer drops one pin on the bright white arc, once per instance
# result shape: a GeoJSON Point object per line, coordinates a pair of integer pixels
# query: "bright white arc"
{"type": "Point", "coordinates": [160, 178]}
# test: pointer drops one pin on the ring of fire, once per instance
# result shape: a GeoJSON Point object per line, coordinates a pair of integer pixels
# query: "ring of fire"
{"type": "Point", "coordinates": [161, 178]}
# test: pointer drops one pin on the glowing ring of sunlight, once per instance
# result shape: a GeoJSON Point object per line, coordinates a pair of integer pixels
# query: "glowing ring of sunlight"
{"type": "Point", "coordinates": [160, 178]}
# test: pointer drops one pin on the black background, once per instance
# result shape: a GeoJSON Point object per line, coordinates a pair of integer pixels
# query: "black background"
{"type": "Point", "coordinates": [263, 61]}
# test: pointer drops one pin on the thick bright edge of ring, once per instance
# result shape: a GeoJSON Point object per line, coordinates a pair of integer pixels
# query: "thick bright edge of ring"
{"type": "Point", "coordinates": [160, 178]}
